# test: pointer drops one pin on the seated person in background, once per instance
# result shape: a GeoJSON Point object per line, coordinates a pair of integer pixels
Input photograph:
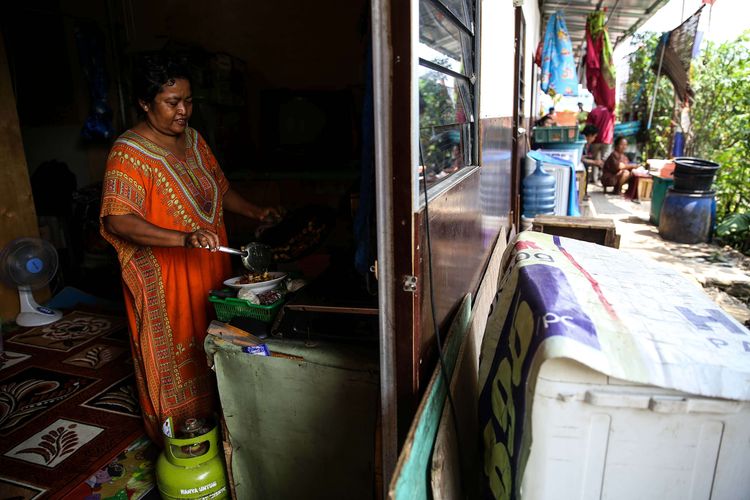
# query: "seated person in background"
{"type": "Point", "coordinates": [590, 163]}
{"type": "Point", "coordinates": [545, 121]}
{"type": "Point", "coordinates": [548, 120]}
{"type": "Point", "coordinates": [616, 171]}
{"type": "Point", "coordinates": [552, 114]}
{"type": "Point", "coordinates": [589, 133]}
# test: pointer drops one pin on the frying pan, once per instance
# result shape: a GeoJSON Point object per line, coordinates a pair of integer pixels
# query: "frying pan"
{"type": "Point", "coordinates": [256, 257]}
{"type": "Point", "coordinates": [299, 233]}
{"type": "Point", "coordinates": [274, 241]}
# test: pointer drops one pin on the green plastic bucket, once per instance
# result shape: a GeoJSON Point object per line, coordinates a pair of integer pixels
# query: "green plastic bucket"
{"type": "Point", "coordinates": [661, 185]}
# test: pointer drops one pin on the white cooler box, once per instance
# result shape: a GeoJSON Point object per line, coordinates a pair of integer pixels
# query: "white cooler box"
{"type": "Point", "coordinates": [596, 437]}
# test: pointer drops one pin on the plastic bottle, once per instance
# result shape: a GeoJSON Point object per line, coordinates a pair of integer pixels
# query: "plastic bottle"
{"type": "Point", "coordinates": [538, 191]}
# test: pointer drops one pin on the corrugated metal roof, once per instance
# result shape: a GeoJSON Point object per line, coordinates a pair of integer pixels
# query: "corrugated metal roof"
{"type": "Point", "coordinates": [623, 16]}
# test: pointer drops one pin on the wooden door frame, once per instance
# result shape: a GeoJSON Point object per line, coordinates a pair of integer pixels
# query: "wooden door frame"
{"type": "Point", "coordinates": [392, 99]}
{"type": "Point", "coordinates": [518, 144]}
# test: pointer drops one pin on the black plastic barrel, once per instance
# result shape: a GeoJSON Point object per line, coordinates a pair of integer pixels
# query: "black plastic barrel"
{"type": "Point", "coordinates": [694, 175]}
{"type": "Point", "coordinates": [687, 217]}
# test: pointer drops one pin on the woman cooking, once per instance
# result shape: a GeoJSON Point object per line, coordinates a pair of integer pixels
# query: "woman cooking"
{"type": "Point", "coordinates": [163, 200]}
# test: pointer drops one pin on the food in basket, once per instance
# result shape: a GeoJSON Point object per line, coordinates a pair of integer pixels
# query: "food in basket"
{"type": "Point", "coordinates": [249, 278]}
{"type": "Point", "coordinates": [269, 297]}
{"type": "Point", "coordinates": [248, 295]}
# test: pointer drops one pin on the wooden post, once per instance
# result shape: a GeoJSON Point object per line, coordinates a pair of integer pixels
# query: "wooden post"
{"type": "Point", "coordinates": [17, 213]}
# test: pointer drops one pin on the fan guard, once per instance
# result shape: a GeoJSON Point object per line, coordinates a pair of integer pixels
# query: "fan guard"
{"type": "Point", "coordinates": [29, 264]}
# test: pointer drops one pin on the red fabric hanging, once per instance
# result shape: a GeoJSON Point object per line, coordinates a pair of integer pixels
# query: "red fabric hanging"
{"type": "Point", "coordinates": [599, 67]}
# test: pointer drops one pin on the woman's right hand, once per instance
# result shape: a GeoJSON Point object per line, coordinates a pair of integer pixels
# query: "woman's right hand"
{"type": "Point", "coordinates": [202, 238]}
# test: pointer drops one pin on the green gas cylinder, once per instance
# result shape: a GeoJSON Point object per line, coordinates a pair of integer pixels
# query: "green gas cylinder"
{"type": "Point", "coordinates": [191, 467]}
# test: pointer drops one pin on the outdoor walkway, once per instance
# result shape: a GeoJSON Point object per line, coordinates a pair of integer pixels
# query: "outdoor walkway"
{"type": "Point", "coordinates": [723, 272]}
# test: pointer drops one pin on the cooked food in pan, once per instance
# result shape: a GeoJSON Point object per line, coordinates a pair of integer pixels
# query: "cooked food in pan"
{"type": "Point", "coordinates": [248, 278]}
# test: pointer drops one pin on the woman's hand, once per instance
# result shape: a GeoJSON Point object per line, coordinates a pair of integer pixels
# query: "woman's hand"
{"type": "Point", "coordinates": [202, 238]}
{"type": "Point", "coordinates": [235, 203]}
{"type": "Point", "coordinates": [267, 214]}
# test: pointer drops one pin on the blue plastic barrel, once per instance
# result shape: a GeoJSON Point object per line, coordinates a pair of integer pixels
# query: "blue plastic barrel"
{"type": "Point", "coordinates": [687, 217]}
{"type": "Point", "coordinates": [658, 193]}
{"type": "Point", "coordinates": [538, 192]}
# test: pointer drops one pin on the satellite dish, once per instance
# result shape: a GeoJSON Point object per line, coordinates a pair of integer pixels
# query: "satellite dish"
{"type": "Point", "coordinates": [29, 264]}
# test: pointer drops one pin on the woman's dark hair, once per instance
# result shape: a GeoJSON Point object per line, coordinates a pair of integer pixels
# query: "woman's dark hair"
{"type": "Point", "coordinates": [153, 71]}
{"type": "Point", "coordinates": [590, 129]}
{"type": "Point", "coordinates": [618, 139]}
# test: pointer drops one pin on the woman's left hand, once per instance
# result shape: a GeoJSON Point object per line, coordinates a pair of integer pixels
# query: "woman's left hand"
{"type": "Point", "coordinates": [268, 214]}
{"type": "Point", "coordinates": [235, 203]}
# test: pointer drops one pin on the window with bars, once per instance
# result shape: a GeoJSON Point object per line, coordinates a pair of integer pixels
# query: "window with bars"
{"type": "Point", "coordinates": [447, 90]}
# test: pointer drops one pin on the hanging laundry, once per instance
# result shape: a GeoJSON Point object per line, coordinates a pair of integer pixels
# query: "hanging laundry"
{"type": "Point", "coordinates": [558, 66]}
{"type": "Point", "coordinates": [600, 69]}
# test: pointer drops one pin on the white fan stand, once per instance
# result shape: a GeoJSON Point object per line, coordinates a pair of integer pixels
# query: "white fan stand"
{"type": "Point", "coordinates": [32, 314]}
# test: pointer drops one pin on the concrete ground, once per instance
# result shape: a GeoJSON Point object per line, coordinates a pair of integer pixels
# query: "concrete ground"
{"type": "Point", "coordinates": [723, 272]}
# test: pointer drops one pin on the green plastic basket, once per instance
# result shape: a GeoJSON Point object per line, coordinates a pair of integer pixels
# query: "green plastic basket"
{"type": "Point", "coordinates": [555, 134]}
{"type": "Point", "coordinates": [230, 307]}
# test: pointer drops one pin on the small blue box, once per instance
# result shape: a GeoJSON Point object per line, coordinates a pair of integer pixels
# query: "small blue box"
{"type": "Point", "coordinates": [257, 350]}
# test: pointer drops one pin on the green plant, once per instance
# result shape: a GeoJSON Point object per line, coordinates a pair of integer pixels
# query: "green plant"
{"type": "Point", "coordinates": [734, 230]}
{"type": "Point", "coordinates": [720, 120]}
{"type": "Point", "coordinates": [639, 92]}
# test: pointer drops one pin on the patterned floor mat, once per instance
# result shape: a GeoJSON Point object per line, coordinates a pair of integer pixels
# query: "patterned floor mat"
{"type": "Point", "coordinates": [68, 404]}
{"type": "Point", "coordinates": [129, 476]}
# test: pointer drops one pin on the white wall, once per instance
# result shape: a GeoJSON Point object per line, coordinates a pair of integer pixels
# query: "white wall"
{"type": "Point", "coordinates": [498, 28]}
{"type": "Point", "coordinates": [496, 85]}
{"type": "Point", "coordinates": [533, 19]}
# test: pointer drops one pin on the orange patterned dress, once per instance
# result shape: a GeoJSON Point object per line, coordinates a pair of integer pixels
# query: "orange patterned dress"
{"type": "Point", "coordinates": [166, 289]}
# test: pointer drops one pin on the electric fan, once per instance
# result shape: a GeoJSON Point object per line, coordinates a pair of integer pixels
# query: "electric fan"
{"type": "Point", "coordinates": [29, 264]}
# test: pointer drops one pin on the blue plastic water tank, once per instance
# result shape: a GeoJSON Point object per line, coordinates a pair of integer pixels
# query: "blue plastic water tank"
{"type": "Point", "coordinates": [538, 192]}
{"type": "Point", "coordinates": [687, 217]}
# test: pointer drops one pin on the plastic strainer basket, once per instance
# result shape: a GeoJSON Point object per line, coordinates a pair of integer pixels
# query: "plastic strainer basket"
{"type": "Point", "coordinates": [230, 307]}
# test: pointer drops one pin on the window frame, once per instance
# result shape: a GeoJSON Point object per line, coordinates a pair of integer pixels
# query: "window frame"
{"type": "Point", "coordinates": [471, 158]}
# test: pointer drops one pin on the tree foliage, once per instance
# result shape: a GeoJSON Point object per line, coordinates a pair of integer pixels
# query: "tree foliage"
{"type": "Point", "coordinates": [639, 92]}
{"type": "Point", "coordinates": [719, 115]}
{"type": "Point", "coordinates": [720, 120]}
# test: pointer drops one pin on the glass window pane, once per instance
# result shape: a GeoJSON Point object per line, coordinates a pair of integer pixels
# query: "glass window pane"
{"type": "Point", "coordinates": [444, 151]}
{"type": "Point", "coordinates": [441, 41]}
{"type": "Point", "coordinates": [458, 8]}
{"type": "Point", "coordinates": [443, 99]}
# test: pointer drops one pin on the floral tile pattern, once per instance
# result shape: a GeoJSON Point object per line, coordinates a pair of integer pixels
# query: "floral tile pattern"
{"type": "Point", "coordinates": [31, 392]}
{"type": "Point", "coordinates": [75, 329]}
{"type": "Point", "coordinates": [17, 490]}
{"type": "Point", "coordinates": [55, 443]}
{"type": "Point", "coordinates": [44, 377]}
{"type": "Point", "coordinates": [8, 358]}
{"type": "Point", "coordinates": [120, 397]}
{"type": "Point", "coordinates": [95, 356]}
